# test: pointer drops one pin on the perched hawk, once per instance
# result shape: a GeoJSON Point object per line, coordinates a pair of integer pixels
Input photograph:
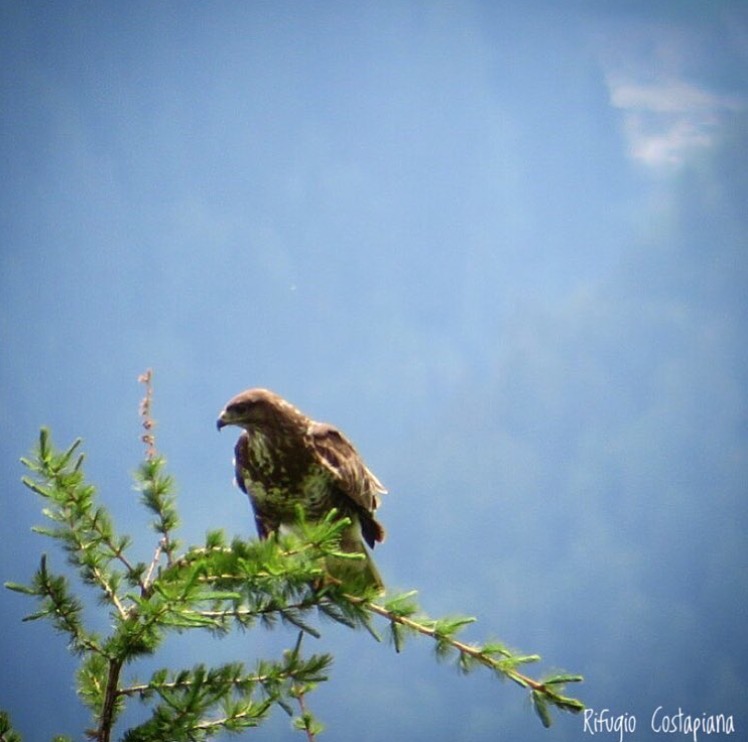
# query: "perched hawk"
{"type": "Point", "coordinates": [283, 459]}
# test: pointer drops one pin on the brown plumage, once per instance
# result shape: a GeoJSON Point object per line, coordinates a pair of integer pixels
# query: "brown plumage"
{"type": "Point", "coordinates": [284, 459]}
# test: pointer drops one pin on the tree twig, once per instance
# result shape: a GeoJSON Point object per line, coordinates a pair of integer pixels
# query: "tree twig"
{"type": "Point", "coordinates": [104, 731]}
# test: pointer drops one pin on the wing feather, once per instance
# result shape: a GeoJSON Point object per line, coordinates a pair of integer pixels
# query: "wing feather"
{"type": "Point", "coordinates": [352, 476]}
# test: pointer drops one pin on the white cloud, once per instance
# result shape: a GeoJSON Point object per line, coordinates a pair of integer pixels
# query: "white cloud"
{"type": "Point", "coordinates": [657, 74]}
{"type": "Point", "coordinates": [665, 97]}
{"type": "Point", "coordinates": [667, 120]}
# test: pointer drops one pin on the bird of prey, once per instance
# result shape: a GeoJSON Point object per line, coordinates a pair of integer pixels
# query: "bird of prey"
{"type": "Point", "coordinates": [284, 460]}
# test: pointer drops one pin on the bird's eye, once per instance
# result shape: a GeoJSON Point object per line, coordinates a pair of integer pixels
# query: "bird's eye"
{"type": "Point", "coordinates": [239, 408]}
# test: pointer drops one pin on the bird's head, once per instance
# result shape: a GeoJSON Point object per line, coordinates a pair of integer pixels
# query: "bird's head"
{"type": "Point", "coordinates": [251, 408]}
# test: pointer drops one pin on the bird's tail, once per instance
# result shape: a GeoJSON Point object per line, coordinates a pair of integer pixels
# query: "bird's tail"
{"type": "Point", "coordinates": [361, 572]}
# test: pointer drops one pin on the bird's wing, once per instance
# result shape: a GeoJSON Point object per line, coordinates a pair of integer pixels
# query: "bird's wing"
{"type": "Point", "coordinates": [350, 473]}
{"type": "Point", "coordinates": [241, 464]}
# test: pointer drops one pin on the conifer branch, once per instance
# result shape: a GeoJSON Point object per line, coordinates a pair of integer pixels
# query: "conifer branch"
{"type": "Point", "coordinates": [442, 632]}
{"type": "Point", "coordinates": [7, 734]}
{"type": "Point", "coordinates": [156, 489]}
{"type": "Point", "coordinates": [217, 586]}
{"type": "Point", "coordinates": [306, 720]}
{"type": "Point", "coordinates": [109, 709]}
{"type": "Point", "coordinates": [148, 423]}
{"type": "Point", "coordinates": [145, 584]}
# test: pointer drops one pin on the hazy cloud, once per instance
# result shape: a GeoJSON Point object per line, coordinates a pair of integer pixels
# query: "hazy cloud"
{"type": "Point", "coordinates": [666, 120]}
{"type": "Point", "coordinates": [663, 78]}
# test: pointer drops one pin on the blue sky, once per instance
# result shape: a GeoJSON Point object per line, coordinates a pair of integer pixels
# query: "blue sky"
{"type": "Point", "coordinates": [501, 245]}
